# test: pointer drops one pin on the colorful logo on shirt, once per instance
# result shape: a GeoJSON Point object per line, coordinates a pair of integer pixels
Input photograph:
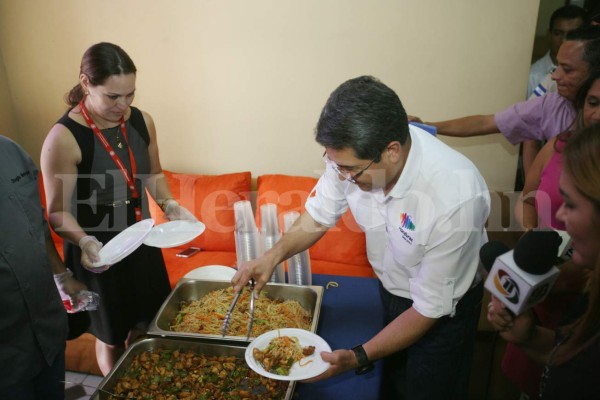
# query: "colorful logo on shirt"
{"type": "Point", "coordinates": [406, 222]}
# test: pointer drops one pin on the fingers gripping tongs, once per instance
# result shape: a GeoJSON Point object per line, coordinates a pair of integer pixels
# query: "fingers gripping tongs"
{"type": "Point", "coordinates": [232, 306]}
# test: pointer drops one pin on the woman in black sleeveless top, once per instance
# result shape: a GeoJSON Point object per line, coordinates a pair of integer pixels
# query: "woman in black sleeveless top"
{"type": "Point", "coordinates": [97, 163]}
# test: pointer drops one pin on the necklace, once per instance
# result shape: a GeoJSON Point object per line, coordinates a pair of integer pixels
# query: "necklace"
{"type": "Point", "coordinates": [120, 143]}
{"type": "Point", "coordinates": [548, 366]}
{"type": "Point", "coordinates": [118, 138]}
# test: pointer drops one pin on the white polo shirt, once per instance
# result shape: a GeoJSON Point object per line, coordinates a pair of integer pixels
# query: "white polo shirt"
{"type": "Point", "coordinates": [423, 238]}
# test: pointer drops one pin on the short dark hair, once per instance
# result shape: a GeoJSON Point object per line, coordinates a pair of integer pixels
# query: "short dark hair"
{"type": "Point", "coordinates": [567, 12]}
{"type": "Point", "coordinates": [590, 36]}
{"type": "Point", "coordinates": [593, 8]}
{"type": "Point", "coordinates": [98, 63]}
{"type": "Point", "coordinates": [365, 115]}
{"type": "Point", "coordinates": [595, 14]}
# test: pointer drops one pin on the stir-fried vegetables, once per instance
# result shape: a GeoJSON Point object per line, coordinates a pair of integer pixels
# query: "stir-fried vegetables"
{"type": "Point", "coordinates": [281, 353]}
{"type": "Point", "coordinates": [172, 375]}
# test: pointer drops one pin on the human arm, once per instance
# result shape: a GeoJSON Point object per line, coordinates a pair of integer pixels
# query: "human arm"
{"type": "Point", "coordinates": [521, 330]}
{"type": "Point", "coordinates": [439, 280]}
{"type": "Point", "coordinates": [157, 184]}
{"type": "Point", "coordinates": [474, 125]}
{"type": "Point", "coordinates": [525, 208]}
{"type": "Point", "coordinates": [530, 150]}
{"type": "Point", "coordinates": [303, 233]}
{"type": "Point", "coordinates": [535, 119]}
{"type": "Point", "coordinates": [63, 278]}
{"type": "Point", "coordinates": [59, 159]}
{"type": "Point", "coordinates": [401, 333]}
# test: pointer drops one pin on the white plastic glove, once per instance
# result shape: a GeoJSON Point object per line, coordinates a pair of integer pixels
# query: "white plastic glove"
{"type": "Point", "coordinates": [67, 285]}
{"type": "Point", "coordinates": [90, 246]}
{"type": "Point", "coordinates": [174, 211]}
{"type": "Point", "coordinates": [74, 294]}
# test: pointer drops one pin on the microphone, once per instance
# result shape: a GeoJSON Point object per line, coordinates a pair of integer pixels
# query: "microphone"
{"type": "Point", "coordinates": [489, 252]}
{"type": "Point", "coordinates": [565, 250]}
{"type": "Point", "coordinates": [536, 251]}
{"type": "Point", "coordinates": [522, 277]}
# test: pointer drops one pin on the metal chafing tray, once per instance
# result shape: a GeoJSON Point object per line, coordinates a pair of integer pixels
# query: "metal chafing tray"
{"type": "Point", "coordinates": [310, 297]}
{"type": "Point", "coordinates": [108, 384]}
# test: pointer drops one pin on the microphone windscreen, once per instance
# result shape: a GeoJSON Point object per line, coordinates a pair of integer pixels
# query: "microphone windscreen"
{"type": "Point", "coordinates": [537, 250]}
{"type": "Point", "coordinates": [489, 252]}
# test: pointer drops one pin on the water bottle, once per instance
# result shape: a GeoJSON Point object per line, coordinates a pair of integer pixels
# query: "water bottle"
{"type": "Point", "coordinates": [84, 300]}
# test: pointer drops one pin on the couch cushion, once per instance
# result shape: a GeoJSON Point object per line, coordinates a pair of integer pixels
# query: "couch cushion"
{"type": "Point", "coordinates": [344, 243]}
{"type": "Point", "coordinates": [210, 198]}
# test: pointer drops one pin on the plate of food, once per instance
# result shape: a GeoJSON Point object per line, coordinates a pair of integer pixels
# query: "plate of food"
{"type": "Point", "coordinates": [287, 354]}
{"type": "Point", "coordinates": [124, 243]}
{"type": "Point", "coordinates": [174, 233]}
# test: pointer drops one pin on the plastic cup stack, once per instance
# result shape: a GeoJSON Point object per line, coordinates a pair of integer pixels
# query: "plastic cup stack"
{"type": "Point", "coordinates": [247, 245]}
{"type": "Point", "coordinates": [270, 234]}
{"type": "Point", "coordinates": [299, 272]}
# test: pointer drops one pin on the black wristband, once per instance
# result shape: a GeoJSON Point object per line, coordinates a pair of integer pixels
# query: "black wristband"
{"type": "Point", "coordinates": [364, 365]}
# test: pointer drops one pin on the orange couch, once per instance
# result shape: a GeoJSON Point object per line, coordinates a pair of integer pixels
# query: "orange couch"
{"type": "Point", "coordinates": [341, 251]}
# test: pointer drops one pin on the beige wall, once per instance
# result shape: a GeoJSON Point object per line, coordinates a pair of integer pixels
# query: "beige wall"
{"type": "Point", "coordinates": [8, 126]}
{"type": "Point", "coordinates": [238, 84]}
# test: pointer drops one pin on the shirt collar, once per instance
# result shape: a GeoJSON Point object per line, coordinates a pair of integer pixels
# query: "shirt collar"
{"type": "Point", "coordinates": [412, 168]}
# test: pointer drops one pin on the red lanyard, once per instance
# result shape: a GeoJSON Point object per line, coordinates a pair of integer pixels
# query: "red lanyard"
{"type": "Point", "coordinates": [109, 149]}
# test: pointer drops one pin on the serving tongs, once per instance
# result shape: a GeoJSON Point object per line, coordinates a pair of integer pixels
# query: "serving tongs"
{"type": "Point", "coordinates": [227, 320]}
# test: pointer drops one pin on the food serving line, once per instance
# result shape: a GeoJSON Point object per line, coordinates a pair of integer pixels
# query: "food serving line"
{"type": "Point", "coordinates": [346, 311]}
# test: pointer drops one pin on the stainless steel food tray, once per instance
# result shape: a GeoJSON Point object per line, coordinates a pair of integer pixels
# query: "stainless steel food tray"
{"type": "Point", "coordinates": [310, 297]}
{"type": "Point", "coordinates": [201, 347]}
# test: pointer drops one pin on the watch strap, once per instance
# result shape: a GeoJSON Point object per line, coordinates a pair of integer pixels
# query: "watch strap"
{"type": "Point", "coordinates": [364, 365]}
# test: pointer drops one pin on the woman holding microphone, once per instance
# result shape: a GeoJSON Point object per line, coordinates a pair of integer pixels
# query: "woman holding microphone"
{"type": "Point", "coordinates": [570, 355]}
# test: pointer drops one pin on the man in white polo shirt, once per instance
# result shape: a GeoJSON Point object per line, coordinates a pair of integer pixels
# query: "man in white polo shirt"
{"type": "Point", "coordinates": [423, 207]}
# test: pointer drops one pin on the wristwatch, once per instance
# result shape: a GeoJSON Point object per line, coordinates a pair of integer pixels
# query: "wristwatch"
{"type": "Point", "coordinates": [364, 365]}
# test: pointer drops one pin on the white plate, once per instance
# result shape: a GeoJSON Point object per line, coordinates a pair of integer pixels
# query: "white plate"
{"type": "Point", "coordinates": [297, 373]}
{"type": "Point", "coordinates": [124, 243]}
{"type": "Point", "coordinates": [174, 233]}
{"type": "Point", "coordinates": [212, 273]}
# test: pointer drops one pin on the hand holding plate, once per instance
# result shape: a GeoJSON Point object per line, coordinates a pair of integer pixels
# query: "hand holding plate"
{"type": "Point", "coordinates": [90, 254]}
{"type": "Point", "coordinates": [174, 211]}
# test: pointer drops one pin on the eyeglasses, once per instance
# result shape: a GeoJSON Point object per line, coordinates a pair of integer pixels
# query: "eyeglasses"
{"type": "Point", "coordinates": [347, 175]}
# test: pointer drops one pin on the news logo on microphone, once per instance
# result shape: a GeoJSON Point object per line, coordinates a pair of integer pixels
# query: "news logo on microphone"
{"type": "Point", "coordinates": [565, 250]}
{"type": "Point", "coordinates": [505, 285]}
{"type": "Point", "coordinates": [517, 289]}
{"type": "Point", "coordinates": [523, 277]}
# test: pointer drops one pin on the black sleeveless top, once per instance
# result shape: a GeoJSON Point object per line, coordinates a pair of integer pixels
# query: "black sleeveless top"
{"type": "Point", "coordinates": [132, 290]}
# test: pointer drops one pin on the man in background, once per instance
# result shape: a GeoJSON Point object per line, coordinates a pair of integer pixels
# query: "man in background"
{"type": "Point", "coordinates": [543, 117]}
{"type": "Point", "coordinates": [562, 21]}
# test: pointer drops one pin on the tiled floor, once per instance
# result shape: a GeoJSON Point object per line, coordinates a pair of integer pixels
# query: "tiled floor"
{"type": "Point", "coordinates": [80, 386]}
